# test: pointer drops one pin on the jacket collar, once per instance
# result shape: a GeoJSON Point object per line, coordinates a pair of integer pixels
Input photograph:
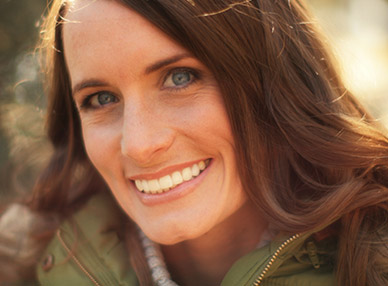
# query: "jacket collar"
{"type": "Point", "coordinates": [88, 243]}
{"type": "Point", "coordinates": [284, 255]}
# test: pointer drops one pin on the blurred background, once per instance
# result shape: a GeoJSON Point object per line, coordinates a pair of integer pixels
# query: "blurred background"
{"type": "Point", "coordinates": [357, 30]}
{"type": "Point", "coordinates": [22, 144]}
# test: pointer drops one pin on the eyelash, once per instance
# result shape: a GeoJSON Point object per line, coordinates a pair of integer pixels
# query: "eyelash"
{"type": "Point", "coordinates": [86, 102]}
{"type": "Point", "coordinates": [196, 75]}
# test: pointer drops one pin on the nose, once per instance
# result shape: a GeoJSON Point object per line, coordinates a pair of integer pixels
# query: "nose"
{"type": "Point", "coordinates": [146, 134]}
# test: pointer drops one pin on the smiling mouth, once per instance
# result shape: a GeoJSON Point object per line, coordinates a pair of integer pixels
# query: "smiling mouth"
{"type": "Point", "coordinates": [166, 183]}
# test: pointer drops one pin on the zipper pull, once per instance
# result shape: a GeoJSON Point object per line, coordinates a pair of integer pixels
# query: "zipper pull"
{"type": "Point", "coordinates": [312, 253]}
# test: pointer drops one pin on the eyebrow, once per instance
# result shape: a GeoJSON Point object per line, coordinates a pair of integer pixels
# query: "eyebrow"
{"type": "Point", "coordinates": [88, 83]}
{"type": "Point", "coordinates": [165, 62]}
{"type": "Point", "coordinates": [150, 69]}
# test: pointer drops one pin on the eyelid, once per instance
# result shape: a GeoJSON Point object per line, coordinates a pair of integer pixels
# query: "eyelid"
{"type": "Point", "coordinates": [194, 72]}
{"type": "Point", "coordinates": [86, 101]}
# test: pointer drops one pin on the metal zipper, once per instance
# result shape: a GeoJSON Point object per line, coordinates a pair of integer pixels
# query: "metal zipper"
{"type": "Point", "coordinates": [76, 259]}
{"type": "Point", "coordinates": [274, 256]}
{"type": "Point", "coordinates": [257, 282]}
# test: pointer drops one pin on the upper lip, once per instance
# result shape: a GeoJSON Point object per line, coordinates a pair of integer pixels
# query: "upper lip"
{"type": "Point", "coordinates": [165, 171]}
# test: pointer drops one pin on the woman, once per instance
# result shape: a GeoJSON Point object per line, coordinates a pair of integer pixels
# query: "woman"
{"type": "Point", "coordinates": [223, 132]}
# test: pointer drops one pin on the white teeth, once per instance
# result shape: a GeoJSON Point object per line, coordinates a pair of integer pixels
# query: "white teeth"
{"type": "Point", "coordinates": [154, 186]}
{"type": "Point", "coordinates": [195, 170]}
{"type": "Point", "coordinates": [146, 188]}
{"type": "Point", "coordinates": [177, 178]}
{"type": "Point", "coordinates": [139, 185]}
{"type": "Point", "coordinates": [167, 182]}
{"type": "Point", "coordinates": [186, 174]}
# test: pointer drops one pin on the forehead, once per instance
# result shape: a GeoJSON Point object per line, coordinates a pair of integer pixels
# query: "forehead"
{"type": "Point", "coordinates": [92, 10]}
{"type": "Point", "coordinates": [104, 36]}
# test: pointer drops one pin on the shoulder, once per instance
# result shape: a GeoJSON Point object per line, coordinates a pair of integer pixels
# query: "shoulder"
{"type": "Point", "coordinates": [18, 250]}
{"type": "Point", "coordinates": [303, 261]}
{"type": "Point", "coordinates": [86, 249]}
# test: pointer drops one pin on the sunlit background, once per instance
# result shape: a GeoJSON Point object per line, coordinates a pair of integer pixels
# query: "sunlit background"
{"type": "Point", "coordinates": [357, 30]}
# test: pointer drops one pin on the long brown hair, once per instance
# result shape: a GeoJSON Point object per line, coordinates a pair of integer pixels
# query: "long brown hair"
{"type": "Point", "coordinates": [308, 153]}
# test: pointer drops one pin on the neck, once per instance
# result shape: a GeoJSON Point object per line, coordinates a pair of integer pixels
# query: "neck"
{"type": "Point", "coordinates": [206, 260]}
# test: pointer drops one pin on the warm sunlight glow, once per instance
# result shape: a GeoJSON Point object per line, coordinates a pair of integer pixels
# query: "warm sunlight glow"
{"type": "Point", "coordinates": [358, 30]}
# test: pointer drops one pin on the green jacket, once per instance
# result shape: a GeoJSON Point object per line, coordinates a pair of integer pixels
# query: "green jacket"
{"type": "Point", "coordinates": [86, 251]}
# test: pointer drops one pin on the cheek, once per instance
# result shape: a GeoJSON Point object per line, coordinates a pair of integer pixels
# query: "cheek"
{"type": "Point", "coordinates": [207, 118]}
{"type": "Point", "coordinates": [102, 145]}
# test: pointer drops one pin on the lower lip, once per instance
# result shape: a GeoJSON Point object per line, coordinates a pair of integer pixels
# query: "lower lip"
{"type": "Point", "coordinates": [179, 191]}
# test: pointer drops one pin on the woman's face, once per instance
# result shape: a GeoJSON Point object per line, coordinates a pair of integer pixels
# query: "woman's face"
{"type": "Point", "coordinates": [153, 121]}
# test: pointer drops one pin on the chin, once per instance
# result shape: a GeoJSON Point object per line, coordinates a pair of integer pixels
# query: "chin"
{"type": "Point", "coordinates": [174, 235]}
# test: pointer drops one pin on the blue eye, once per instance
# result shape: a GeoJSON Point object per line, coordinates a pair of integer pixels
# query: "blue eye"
{"type": "Point", "coordinates": [105, 98]}
{"type": "Point", "coordinates": [99, 99]}
{"type": "Point", "coordinates": [180, 78]}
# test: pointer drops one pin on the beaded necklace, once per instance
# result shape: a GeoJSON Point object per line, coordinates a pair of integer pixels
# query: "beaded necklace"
{"type": "Point", "coordinates": [155, 261]}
